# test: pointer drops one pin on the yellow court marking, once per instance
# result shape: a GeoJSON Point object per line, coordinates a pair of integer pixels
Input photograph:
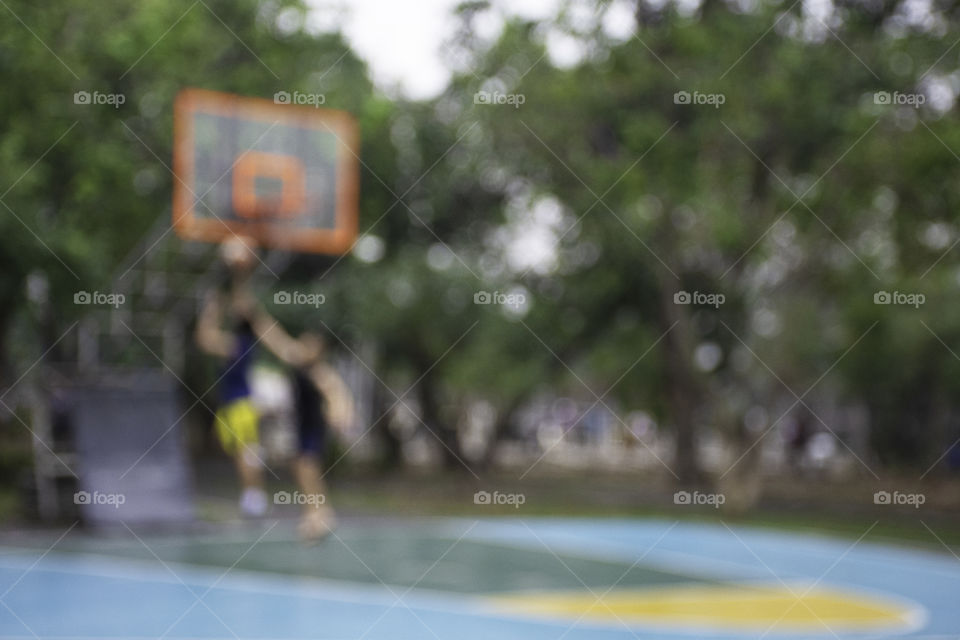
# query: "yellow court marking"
{"type": "Point", "coordinates": [728, 607]}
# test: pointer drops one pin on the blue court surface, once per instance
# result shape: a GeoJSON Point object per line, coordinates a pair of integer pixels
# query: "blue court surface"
{"type": "Point", "coordinates": [466, 579]}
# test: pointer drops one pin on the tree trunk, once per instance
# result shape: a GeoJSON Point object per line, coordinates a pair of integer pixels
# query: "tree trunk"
{"type": "Point", "coordinates": [683, 390]}
{"type": "Point", "coordinates": [501, 428]}
{"type": "Point", "coordinates": [392, 447]}
{"type": "Point", "coordinates": [432, 418]}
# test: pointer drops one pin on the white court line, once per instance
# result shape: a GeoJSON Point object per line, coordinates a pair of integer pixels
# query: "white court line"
{"type": "Point", "coordinates": [261, 582]}
{"type": "Point", "coordinates": [578, 543]}
{"type": "Point", "coordinates": [269, 583]}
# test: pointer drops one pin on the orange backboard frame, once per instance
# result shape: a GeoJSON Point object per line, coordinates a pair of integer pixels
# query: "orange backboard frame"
{"type": "Point", "coordinates": [268, 226]}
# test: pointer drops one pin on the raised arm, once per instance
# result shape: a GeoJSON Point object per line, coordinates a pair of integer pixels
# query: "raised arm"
{"type": "Point", "coordinates": [210, 337]}
{"type": "Point", "coordinates": [280, 343]}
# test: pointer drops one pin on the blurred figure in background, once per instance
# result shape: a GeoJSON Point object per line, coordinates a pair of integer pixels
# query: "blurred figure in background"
{"type": "Point", "coordinates": [237, 420]}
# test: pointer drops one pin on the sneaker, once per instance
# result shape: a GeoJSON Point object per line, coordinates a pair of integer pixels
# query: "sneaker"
{"type": "Point", "coordinates": [253, 502]}
{"type": "Point", "coordinates": [317, 524]}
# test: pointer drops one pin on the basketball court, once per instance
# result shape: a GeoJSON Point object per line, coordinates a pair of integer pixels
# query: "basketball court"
{"type": "Point", "coordinates": [495, 578]}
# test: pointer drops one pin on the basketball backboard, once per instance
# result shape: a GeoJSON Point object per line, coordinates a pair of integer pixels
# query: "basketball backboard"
{"type": "Point", "coordinates": [285, 175]}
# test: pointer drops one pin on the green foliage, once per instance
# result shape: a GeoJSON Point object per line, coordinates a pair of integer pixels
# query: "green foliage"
{"type": "Point", "coordinates": [797, 198]}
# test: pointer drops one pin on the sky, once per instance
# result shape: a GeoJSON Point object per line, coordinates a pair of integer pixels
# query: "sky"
{"type": "Point", "coordinates": [401, 40]}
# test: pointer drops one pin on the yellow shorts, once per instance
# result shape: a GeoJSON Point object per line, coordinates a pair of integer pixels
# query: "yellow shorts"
{"type": "Point", "coordinates": [237, 425]}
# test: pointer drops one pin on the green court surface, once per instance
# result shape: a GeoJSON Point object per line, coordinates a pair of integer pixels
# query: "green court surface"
{"type": "Point", "coordinates": [391, 551]}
